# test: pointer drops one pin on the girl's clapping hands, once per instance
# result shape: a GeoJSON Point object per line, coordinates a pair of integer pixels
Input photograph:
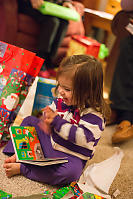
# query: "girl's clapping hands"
{"type": "Point", "coordinates": [49, 114]}
{"type": "Point", "coordinates": [46, 119]}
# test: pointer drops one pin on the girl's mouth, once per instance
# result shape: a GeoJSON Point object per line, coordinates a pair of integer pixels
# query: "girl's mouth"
{"type": "Point", "coordinates": [65, 100]}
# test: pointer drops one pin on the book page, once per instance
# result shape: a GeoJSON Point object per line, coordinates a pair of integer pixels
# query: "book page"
{"type": "Point", "coordinates": [26, 143]}
{"type": "Point", "coordinates": [27, 147]}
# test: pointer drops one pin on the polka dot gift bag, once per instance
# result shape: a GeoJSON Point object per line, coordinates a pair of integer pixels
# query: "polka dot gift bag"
{"type": "Point", "coordinates": [18, 69]}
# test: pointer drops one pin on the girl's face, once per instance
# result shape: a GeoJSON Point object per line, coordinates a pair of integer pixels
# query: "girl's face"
{"type": "Point", "coordinates": [65, 89]}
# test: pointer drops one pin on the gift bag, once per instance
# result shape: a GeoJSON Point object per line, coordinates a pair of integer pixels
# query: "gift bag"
{"type": "Point", "coordinates": [18, 69]}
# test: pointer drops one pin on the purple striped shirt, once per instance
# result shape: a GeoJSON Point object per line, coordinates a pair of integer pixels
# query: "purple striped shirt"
{"type": "Point", "coordinates": [75, 133]}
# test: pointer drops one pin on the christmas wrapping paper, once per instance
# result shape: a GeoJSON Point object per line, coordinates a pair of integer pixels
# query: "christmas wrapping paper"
{"type": "Point", "coordinates": [83, 45]}
{"type": "Point", "coordinates": [18, 69]}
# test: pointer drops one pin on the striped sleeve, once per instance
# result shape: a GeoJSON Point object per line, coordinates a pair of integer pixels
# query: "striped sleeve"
{"type": "Point", "coordinates": [85, 134]}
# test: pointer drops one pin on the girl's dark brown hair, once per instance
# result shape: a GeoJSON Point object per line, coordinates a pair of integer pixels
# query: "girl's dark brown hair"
{"type": "Point", "coordinates": [87, 79]}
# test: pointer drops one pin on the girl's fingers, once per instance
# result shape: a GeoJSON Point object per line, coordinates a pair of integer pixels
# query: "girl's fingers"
{"type": "Point", "coordinates": [7, 165]}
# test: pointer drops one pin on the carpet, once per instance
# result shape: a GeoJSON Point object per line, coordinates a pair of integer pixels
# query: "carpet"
{"type": "Point", "coordinates": [20, 186]}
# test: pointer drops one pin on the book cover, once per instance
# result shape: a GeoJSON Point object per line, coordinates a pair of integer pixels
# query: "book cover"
{"type": "Point", "coordinates": [44, 94]}
{"type": "Point", "coordinates": [27, 147]}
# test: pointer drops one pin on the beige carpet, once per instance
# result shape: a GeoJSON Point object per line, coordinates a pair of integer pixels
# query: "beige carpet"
{"type": "Point", "coordinates": [20, 186]}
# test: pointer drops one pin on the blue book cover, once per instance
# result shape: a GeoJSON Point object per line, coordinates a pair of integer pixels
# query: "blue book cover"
{"type": "Point", "coordinates": [44, 94]}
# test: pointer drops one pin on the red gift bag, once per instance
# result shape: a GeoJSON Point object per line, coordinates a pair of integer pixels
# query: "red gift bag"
{"type": "Point", "coordinates": [18, 69]}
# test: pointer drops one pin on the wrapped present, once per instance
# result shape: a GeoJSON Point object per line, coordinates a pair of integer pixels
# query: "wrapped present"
{"type": "Point", "coordinates": [62, 192]}
{"type": "Point", "coordinates": [53, 9]}
{"type": "Point", "coordinates": [47, 194]}
{"type": "Point", "coordinates": [18, 69]}
{"type": "Point", "coordinates": [83, 45]}
{"type": "Point", "coordinates": [103, 52]}
{"type": "Point", "coordinates": [44, 94]}
{"type": "Point", "coordinates": [88, 195]}
{"type": "Point", "coordinates": [76, 189]}
{"type": "Point", "coordinates": [4, 195]}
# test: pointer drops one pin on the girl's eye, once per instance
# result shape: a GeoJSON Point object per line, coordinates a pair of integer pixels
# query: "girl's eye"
{"type": "Point", "coordinates": [62, 87]}
{"type": "Point", "coordinates": [67, 89]}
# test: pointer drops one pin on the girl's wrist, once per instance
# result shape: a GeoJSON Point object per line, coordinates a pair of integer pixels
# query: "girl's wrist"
{"type": "Point", "coordinates": [53, 123]}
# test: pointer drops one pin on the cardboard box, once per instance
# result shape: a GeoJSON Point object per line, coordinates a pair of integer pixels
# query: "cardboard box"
{"type": "Point", "coordinates": [83, 45]}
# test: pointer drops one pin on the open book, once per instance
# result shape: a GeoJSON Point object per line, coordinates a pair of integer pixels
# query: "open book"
{"type": "Point", "coordinates": [28, 149]}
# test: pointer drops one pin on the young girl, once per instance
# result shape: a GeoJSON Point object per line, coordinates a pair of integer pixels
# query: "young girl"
{"type": "Point", "coordinates": [74, 122]}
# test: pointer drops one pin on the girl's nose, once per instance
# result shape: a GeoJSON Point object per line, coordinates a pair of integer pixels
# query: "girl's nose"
{"type": "Point", "coordinates": [61, 90]}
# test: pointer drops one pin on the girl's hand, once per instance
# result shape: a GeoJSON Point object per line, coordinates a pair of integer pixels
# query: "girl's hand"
{"type": "Point", "coordinates": [46, 119]}
{"type": "Point", "coordinates": [46, 128]}
{"type": "Point", "coordinates": [49, 115]}
{"type": "Point", "coordinates": [36, 3]}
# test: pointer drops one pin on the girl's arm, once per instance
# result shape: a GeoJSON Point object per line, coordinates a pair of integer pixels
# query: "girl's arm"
{"type": "Point", "coordinates": [85, 134]}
